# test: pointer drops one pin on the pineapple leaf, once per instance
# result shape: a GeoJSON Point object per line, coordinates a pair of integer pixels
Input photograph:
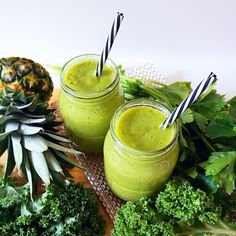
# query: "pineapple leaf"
{"type": "Point", "coordinates": [27, 120]}
{"type": "Point", "coordinates": [53, 164]}
{"type": "Point", "coordinates": [3, 146]}
{"type": "Point", "coordinates": [11, 126]}
{"type": "Point", "coordinates": [35, 143]}
{"type": "Point", "coordinates": [22, 167]}
{"type": "Point", "coordinates": [28, 172]}
{"type": "Point", "coordinates": [5, 101]}
{"type": "Point", "coordinates": [20, 96]}
{"type": "Point", "coordinates": [3, 136]}
{"type": "Point", "coordinates": [4, 118]}
{"type": "Point", "coordinates": [29, 130]}
{"type": "Point", "coordinates": [10, 161]}
{"type": "Point", "coordinates": [57, 137]}
{"type": "Point", "coordinates": [12, 109]}
{"type": "Point", "coordinates": [23, 106]}
{"type": "Point", "coordinates": [63, 162]}
{"type": "Point", "coordinates": [67, 159]}
{"type": "Point", "coordinates": [57, 178]}
{"type": "Point", "coordinates": [40, 165]}
{"type": "Point", "coordinates": [3, 108]}
{"type": "Point", "coordinates": [34, 116]}
{"type": "Point", "coordinates": [63, 148]}
{"type": "Point", "coordinates": [17, 149]}
{"type": "Point", "coordinates": [67, 174]}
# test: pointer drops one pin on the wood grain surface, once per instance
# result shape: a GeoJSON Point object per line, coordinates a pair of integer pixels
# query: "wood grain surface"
{"type": "Point", "coordinates": [78, 176]}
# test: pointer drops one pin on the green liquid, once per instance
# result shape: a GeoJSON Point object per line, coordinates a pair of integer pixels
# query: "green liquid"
{"type": "Point", "coordinates": [87, 120]}
{"type": "Point", "coordinates": [139, 128]}
{"type": "Point", "coordinates": [131, 175]}
{"type": "Point", "coordinates": [81, 77]}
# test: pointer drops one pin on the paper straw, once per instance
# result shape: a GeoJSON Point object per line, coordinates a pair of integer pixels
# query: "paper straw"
{"type": "Point", "coordinates": [189, 100]}
{"type": "Point", "coordinates": [110, 40]}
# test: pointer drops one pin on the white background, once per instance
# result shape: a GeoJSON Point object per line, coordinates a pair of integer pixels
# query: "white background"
{"type": "Point", "coordinates": [185, 39]}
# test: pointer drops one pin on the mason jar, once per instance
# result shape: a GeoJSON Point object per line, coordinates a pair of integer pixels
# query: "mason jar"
{"type": "Point", "coordinates": [87, 114]}
{"type": "Point", "coordinates": [132, 173]}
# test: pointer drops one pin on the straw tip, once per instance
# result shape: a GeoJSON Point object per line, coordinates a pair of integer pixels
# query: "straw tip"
{"type": "Point", "coordinates": [120, 14]}
{"type": "Point", "coordinates": [213, 75]}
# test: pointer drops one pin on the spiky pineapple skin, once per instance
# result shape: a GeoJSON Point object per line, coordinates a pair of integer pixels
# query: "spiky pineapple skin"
{"type": "Point", "coordinates": [24, 74]}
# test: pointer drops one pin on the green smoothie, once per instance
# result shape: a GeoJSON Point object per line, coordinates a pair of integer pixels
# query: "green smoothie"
{"type": "Point", "coordinates": [81, 77]}
{"type": "Point", "coordinates": [87, 103]}
{"type": "Point", "coordinates": [139, 157]}
{"type": "Point", "coordinates": [139, 128]}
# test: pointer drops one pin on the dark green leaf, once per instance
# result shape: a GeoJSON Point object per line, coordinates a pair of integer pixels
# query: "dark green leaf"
{"type": "Point", "coordinates": [10, 160]}
{"type": "Point", "coordinates": [176, 92]}
{"type": "Point", "coordinates": [200, 120]}
{"type": "Point", "coordinates": [221, 166]}
{"type": "Point", "coordinates": [210, 104]}
{"type": "Point", "coordinates": [68, 159]}
{"type": "Point", "coordinates": [3, 146]}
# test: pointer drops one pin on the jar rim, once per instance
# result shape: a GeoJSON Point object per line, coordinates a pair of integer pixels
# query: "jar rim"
{"type": "Point", "coordinates": [135, 152]}
{"type": "Point", "coordinates": [89, 95]}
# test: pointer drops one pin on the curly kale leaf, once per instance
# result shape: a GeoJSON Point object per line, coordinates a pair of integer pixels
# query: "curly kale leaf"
{"type": "Point", "coordinates": [68, 210]}
{"type": "Point", "coordinates": [140, 219]}
{"type": "Point", "coordinates": [180, 209]}
{"type": "Point", "coordinates": [185, 204]}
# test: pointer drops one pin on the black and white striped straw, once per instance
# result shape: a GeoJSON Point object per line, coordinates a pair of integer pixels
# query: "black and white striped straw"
{"type": "Point", "coordinates": [189, 100]}
{"type": "Point", "coordinates": [110, 40]}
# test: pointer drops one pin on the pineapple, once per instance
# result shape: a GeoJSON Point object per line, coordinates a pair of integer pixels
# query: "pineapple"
{"type": "Point", "coordinates": [28, 130]}
{"type": "Point", "coordinates": [24, 74]}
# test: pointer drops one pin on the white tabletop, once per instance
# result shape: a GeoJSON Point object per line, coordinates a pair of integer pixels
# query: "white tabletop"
{"type": "Point", "coordinates": [185, 39]}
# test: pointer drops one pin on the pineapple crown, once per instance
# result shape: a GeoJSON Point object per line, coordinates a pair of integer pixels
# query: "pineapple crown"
{"type": "Point", "coordinates": [28, 132]}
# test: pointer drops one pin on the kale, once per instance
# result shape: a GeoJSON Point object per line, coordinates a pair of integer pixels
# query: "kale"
{"type": "Point", "coordinates": [68, 210]}
{"type": "Point", "coordinates": [180, 209]}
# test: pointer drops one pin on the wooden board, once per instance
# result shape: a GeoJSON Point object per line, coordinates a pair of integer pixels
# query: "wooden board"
{"type": "Point", "coordinates": [78, 177]}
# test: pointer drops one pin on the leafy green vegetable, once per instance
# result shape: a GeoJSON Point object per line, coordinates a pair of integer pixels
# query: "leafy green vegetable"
{"type": "Point", "coordinates": [141, 219]}
{"type": "Point", "coordinates": [179, 210]}
{"type": "Point", "coordinates": [66, 210]}
{"type": "Point", "coordinates": [186, 204]}
{"type": "Point", "coordinates": [220, 166]}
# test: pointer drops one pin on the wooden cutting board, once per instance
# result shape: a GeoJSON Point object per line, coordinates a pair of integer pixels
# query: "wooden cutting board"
{"type": "Point", "coordinates": [79, 177]}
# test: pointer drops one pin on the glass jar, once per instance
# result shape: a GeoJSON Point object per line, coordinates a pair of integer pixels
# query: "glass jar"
{"type": "Point", "coordinates": [87, 115]}
{"type": "Point", "coordinates": [131, 173]}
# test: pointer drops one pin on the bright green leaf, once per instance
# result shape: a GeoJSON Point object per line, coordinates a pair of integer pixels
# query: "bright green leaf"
{"type": "Point", "coordinates": [187, 116]}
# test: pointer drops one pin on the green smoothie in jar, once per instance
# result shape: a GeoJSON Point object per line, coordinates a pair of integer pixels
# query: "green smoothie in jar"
{"type": "Point", "coordinates": [87, 103]}
{"type": "Point", "coordinates": [139, 156]}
